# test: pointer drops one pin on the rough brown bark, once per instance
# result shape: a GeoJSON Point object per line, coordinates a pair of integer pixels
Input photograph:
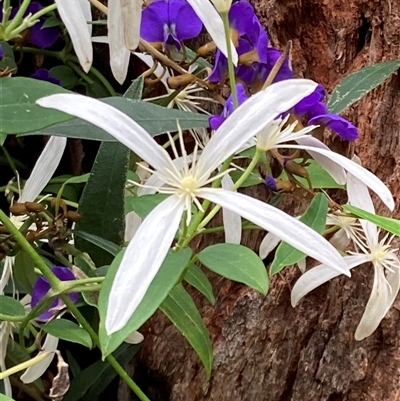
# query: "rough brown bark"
{"type": "Point", "coordinates": [264, 349]}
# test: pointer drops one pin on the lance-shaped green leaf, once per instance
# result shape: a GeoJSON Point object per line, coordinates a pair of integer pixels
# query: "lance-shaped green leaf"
{"type": "Point", "coordinates": [154, 119]}
{"type": "Point", "coordinates": [237, 263]}
{"type": "Point", "coordinates": [168, 275]}
{"type": "Point", "coordinates": [314, 217]}
{"type": "Point", "coordinates": [182, 311]}
{"type": "Point", "coordinates": [359, 83]}
{"type": "Point", "coordinates": [18, 110]}
{"type": "Point", "coordinates": [10, 306]}
{"type": "Point", "coordinates": [143, 205]}
{"type": "Point", "coordinates": [387, 223]}
{"type": "Point", "coordinates": [68, 331]}
{"type": "Point", "coordinates": [198, 279]}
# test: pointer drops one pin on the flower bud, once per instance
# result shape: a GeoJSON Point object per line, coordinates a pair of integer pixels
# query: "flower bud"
{"type": "Point", "coordinates": [180, 80]}
{"type": "Point", "coordinates": [73, 216]}
{"type": "Point", "coordinates": [295, 168]}
{"type": "Point", "coordinates": [207, 50]}
{"type": "Point", "coordinates": [18, 209]}
{"type": "Point", "coordinates": [222, 6]}
{"type": "Point", "coordinates": [34, 207]}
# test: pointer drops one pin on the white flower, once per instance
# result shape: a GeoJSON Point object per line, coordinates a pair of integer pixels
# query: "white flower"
{"type": "Point", "coordinates": [147, 250]}
{"type": "Point", "coordinates": [214, 25]}
{"type": "Point", "coordinates": [73, 17]}
{"type": "Point", "coordinates": [274, 137]}
{"type": "Point", "coordinates": [369, 250]}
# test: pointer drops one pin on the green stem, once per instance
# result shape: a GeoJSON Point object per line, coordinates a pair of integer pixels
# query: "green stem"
{"type": "Point", "coordinates": [9, 318]}
{"type": "Point", "coordinates": [110, 358]}
{"type": "Point", "coordinates": [43, 52]}
{"type": "Point", "coordinates": [18, 18]}
{"type": "Point", "coordinates": [231, 69]}
{"type": "Point", "coordinates": [222, 228]}
{"type": "Point", "coordinates": [6, 12]}
{"type": "Point", "coordinates": [103, 80]}
{"type": "Point", "coordinates": [24, 365]}
{"type": "Point", "coordinates": [237, 185]}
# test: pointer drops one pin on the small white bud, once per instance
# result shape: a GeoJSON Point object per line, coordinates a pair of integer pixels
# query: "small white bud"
{"type": "Point", "coordinates": [222, 6]}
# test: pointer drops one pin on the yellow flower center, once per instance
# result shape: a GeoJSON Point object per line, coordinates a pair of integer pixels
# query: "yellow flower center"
{"type": "Point", "coordinates": [189, 184]}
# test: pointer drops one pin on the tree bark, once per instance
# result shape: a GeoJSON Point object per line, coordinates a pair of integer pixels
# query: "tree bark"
{"type": "Point", "coordinates": [264, 349]}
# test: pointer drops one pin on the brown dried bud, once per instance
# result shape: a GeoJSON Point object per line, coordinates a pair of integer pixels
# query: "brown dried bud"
{"type": "Point", "coordinates": [234, 37]}
{"type": "Point", "coordinates": [4, 230]}
{"type": "Point", "coordinates": [180, 80]}
{"type": "Point", "coordinates": [249, 58]}
{"type": "Point", "coordinates": [30, 236]}
{"type": "Point", "coordinates": [207, 50]}
{"type": "Point", "coordinates": [18, 209]}
{"type": "Point", "coordinates": [73, 216]}
{"type": "Point", "coordinates": [34, 207]}
{"type": "Point", "coordinates": [295, 168]}
{"type": "Point", "coordinates": [284, 186]}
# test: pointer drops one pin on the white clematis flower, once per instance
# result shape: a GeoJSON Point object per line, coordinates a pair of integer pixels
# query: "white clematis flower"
{"type": "Point", "coordinates": [148, 248]}
{"type": "Point", "coordinates": [369, 250]}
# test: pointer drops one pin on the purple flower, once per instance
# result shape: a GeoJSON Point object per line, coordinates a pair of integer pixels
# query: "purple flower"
{"type": "Point", "coordinates": [309, 101]}
{"type": "Point", "coordinates": [318, 114]}
{"type": "Point", "coordinates": [170, 22]}
{"type": "Point", "coordinates": [1, 52]}
{"type": "Point", "coordinates": [45, 37]}
{"type": "Point", "coordinates": [42, 287]}
{"type": "Point", "coordinates": [270, 183]}
{"type": "Point", "coordinates": [44, 75]}
{"type": "Point", "coordinates": [217, 120]}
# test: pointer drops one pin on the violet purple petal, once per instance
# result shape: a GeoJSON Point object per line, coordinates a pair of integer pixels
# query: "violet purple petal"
{"type": "Point", "coordinates": [270, 183]}
{"type": "Point", "coordinates": [344, 128]}
{"type": "Point", "coordinates": [216, 121]}
{"type": "Point", "coordinates": [154, 20]}
{"type": "Point", "coordinates": [309, 101]}
{"type": "Point", "coordinates": [186, 22]}
{"type": "Point", "coordinates": [44, 75]}
{"type": "Point", "coordinates": [43, 37]}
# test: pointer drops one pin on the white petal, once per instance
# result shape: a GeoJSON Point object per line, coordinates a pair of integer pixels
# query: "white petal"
{"type": "Point", "coordinates": [380, 301]}
{"type": "Point", "coordinates": [113, 121]}
{"type": "Point", "coordinates": [131, 18]}
{"type": "Point", "coordinates": [100, 39]}
{"type": "Point", "coordinates": [214, 25]}
{"type": "Point", "coordinates": [335, 170]}
{"type": "Point", "coordinates": [87, 12]}
{"type": "Point", "coordinates": [74, 20]}
{"type": "Point", "coordinates": [134, 338]}
{"type": "Point", "coordinates": [142, 260]}
{"type": "Point", "coordinates": [232, 221]}
{"type": "Point", "coordinates": [369, 179]}
{"type": "Point", "coordinates": [44, 169]}
{"type": "Point", "coordinates": [320, 275]}
{"type": "Point", "coordinates": [250, 118]}
{"type": "Point", "coordinates": [301, 264]}
{"type": "Point", "coordinates": [268, 244]}
{"type": "Point", "coordinates": [119, 53]}
{"type": "Point", "coordinates": [5, 332]}
{"type": "Point", "coordinates": [340, 240]}
{"type": "Point", "coordinates": [132, 223]}
{"type": "Point", "coordinates": [279, 223]}
{"type": "Point", "coordinates": [6, 273]}
{"type": "Point", "coordinates": [359, 196]}
{"type": "Point", "coordinates": [35, 371]}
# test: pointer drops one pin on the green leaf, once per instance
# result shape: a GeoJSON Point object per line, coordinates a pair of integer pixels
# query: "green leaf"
{"type": "Point", "coordinates": [198, 279]}
{"type": "Point", "coordinates": [314, 217]}
{"type": "Point", "coordinates": [68, 331]}
{"type": "Point", "coordinates": [66, 75]}
{"type": "Point", "coordinates": [154, 119]}
{"type": "Point", "coordinates": [102, 202]}
{"type": "Point", "coordinates": [19, 112]}
{"type": "Point", "coordinates": [10, 306]}
{"type": "Point", "coordinates": [93, 380]}
{"type": "Point", "coordinates": [5, 398]}
{"type": "Point", "coordinates": [253, 179]}
{"type": "Point", "coordinates": [143, 205]}
{"type": "Point", "coordinates": [319, 177]}
{"type": "Point", "coordinates": [102, 243]}
{"type": "Point", "coordinates": [135, 89]}
{"type": "Point", "coordinates": [168, 275]}
{"type": "Point", "coordinates": [51, 22]}
{"type": "Point", "coordinates": [387, 223]}
{"type": "Point", "coordinates": [24, 271]}
{"type": "Point", "coordinates": [359, 83]}
{"type": "Point", "coordinates": [182, 311]}
{"type": "Point", "coordinates": [237, 263]}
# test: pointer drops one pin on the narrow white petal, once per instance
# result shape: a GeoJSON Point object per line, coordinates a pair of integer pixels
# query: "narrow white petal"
{"type": "Point", "coordinates": [113, 121]}
{"type": "Point", "coordinates": [279, 223]}
{"type": "Point", "coordinates": [6, 273]}
{"type": "Point", "coordinates": [359, 196]}
{"type": "Point", "coordinates": [214, 25]}
{"type": "Point", "coordinates": [132, 223]}
{"type": "Point", "coordinates": [378, 304]}
{"type": "Point", "coordinates": [369, 179]}
{"type": "Point", "coordinates": [35, 371]}
{"type": "Point", "coordinates": [334, 169]}
{"type": "Point", "coordinates": [100, 39]}
{"type": "Point", "coordinates": [301, 264]}
{"type": "Point", "coordinates": [119, 53]}
{"type": "Point", "coordinates": [320, 275]}
{"type": "Point", "coordinates": [5, 333]}
{"type": "Point", "coordinates": [250, 118]}
{"type": "Point", "coordinates": [268, 244]}
{"type": "Point", "coordinates": [131, 18]}
{"type": "Point", "coordinates": [340, 240]}
{"type": "Point", "coordinates": [44, 168]}
{"type": "Point", "coordinates": [74, 20]}
{"type": "Point", "coordinates": [87, 13]}
{"type": "Point", "coordinates": [134, 338]}
{"type": "Point", "coordinates": [232, 221]}
{"type": "Point", "coordinates": [141, 262]}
